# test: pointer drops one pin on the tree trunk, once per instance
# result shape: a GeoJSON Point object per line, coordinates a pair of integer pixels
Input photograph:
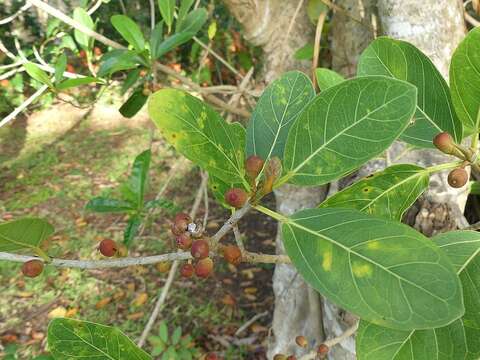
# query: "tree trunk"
{"type": "Point", "coordinates": [274, 26]}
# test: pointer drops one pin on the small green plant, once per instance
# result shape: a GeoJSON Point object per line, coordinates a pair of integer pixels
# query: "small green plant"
{"type": "Point", "coordinates": [172, 346]}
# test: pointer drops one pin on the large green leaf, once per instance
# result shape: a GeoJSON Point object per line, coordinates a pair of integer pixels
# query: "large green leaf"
{"type": "Point", "coordinates": [134, 104]}
{"type": "Point", "coordinates": [27, 233]}
{"type": "Point", "coordinates": [172, 42]}
{"type": "Point", "coordinates": [199, 133]}
{"type": "Point", "coordinates": [156, 39]}
{"type": "Point", "coordinates": [402, 60]}
{"type": "Point", "coordinates": [38, 74]}
{"type": "Point", "coordinates": [185, 6]}
{"type": "Point", "coordinates": [167, 10]}
{"type": "Point", "coordinates": [345, 126]}
{"type": "Point", "coordinates": [458, 340]}
{"type": "Point", "coordinates": [107, 205]}
{"type": "Point", "coordinates": [381, 270]}
{"type": "Point", "coordinates": [73, 339]}
{"type": "Point", "coordinates": [129, 30]}
{"type": "Point", "coordinates": [81, 16]}
{"type": "Point", "coordinates": [465, 80]}
{"type": "Point", "coordinates": [327, 78]}
{"type": "Point", "coordinates": [276, 110]}
{"type": "Point", "coordinates": [69, 83]}
{"type": "Point", "coordinates": [137, 181]}
{"type": "Point", "coordinates": [117, 60]}
{"type": "Point", "coordinates": [193, 22]}
{"type": "Point", "coordinates": [386, 194]}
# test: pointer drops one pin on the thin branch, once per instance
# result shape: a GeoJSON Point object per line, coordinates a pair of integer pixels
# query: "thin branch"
{"type": "Point", "coordinates": [23, 106]}
{"type": "Point", "coordinates": [471, 19]}
{"type": "Point", "coordinates": [205, 204]}
{"type": "Point", "coordinates": [316, 48]}
{"type": "Point", "coordinates": [238, 239]}
{"type": "Point", "coordinates": [95, 7]}
{"type": "Point", "coordinates": [152, 14]}
{"type": "Point", "coordinates": [292, 21]}
{"type": "Point", "coordinates": [14, 16]}
{"type": "Point", "coordinates": [250, 322]}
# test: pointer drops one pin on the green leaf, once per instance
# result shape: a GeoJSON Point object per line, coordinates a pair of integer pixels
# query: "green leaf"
{"type": "Point", "coordinates": [401, 60]}
{"type": "Point", "coordinates": [173, 42]}
{"type": "Point", "coordinates": [117, 60]}
{"type": "Point", "coordinates": [27, 233]}
{"type": "Point", "coordinates": [381, 270]}
{"type": "Point", "coordinates": [345, 126]}
{"type": "Point", "coordinates": [107, 205]}
{"type": "Point", "coordinates": [314, 9]}
{"type": "Point", "coordinates": [129, 30]}
{"type": "Point", "coordinates": [38, 74]}
{"type": "Point", "coordinates": [131, 230]}
{"type": "Point", "coordinates": [171, 207]}
{"type": "Point", "coordinates": [83, 18]}
{"type": "Point", "coordinates": [134, 104]}
{"type": "Point", "coordinates": [465, 81]}
{"type": "Point", "coordinates": [327, 78]}
{"type": "Point", "coordinates": [69, 83]}
{"type": "Point", "coordinates": [193, 22]}
{"type": "Point", "coordinates": [137, 181]}
{"type": "Point", "coordinates": [386, 194]}
{"type": "Point", "coordinates": [69, 339]}
{"type": "Point", "coordinates": [458, 340]}
{"type": "Point", "coordinates": [185, 6]}
{"type": "Point", "coordinates": [276, 111]}
{"type": "Point", "coordinates": [177, 334]}
{"type": "Point", "coordinates": [219, 187]}
{"type": "Point", "coordinates": [475, 188]}
{"type": "Point", "coordinates": [163, 331]}
{"type": "Point", "coordinates": [167, 9]}
{"type": "Point", "coordinates": [305, 52]}
{"type": "Point", "coordinates": [199, 133]}
{"type": "Point", "coordinates": [130, 80]}
{"type": "Point", "coordinates": [156, 39]}
{"type": "Point", "coordinates": [60, 67]}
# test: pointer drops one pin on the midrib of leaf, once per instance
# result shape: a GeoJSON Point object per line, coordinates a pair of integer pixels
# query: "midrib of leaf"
{"type": "Point", "coordinates": [21, 243]}
{"type": "Point", "coordinates": [86, 342]}
{"type": "Point", "coordinates": [349, 250]}
{"type": "Point", "coordinates": [195, 129]}
{"type": "Point", "coordinates": [325, 144]}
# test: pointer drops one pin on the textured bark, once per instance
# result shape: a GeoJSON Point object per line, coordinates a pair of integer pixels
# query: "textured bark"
{"type": "Point", "coordinates": [297, 306]}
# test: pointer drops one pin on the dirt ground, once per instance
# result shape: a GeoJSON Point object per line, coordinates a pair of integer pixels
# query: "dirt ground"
{"type": "Point", "coordinates": [51, 164]}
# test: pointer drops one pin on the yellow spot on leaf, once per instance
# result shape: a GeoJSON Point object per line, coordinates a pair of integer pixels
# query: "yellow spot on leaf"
{"type": "Point", "coordinates": [361, 270]}
{"type": "Point", "coordinates": [327, 261]}
{"type": "Point", "coordinates": [374, 245]}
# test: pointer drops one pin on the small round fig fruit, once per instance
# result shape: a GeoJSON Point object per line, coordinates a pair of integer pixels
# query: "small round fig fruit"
{"type": "Point", "coordinates": [280, 357]}
{"type": "Point", "coordinates": [184, 241]}
{"type": "Point", "coordinates": [180, 224]}
{"type": "Point", "coordinates": [323, 350]}
{"type": "Point", "coordinates": [444, 142]}
{"type": "Point", "coordinates": [457, 178]}
{"type": "Point", "coordinates": [232, 254]}
{"type": "Point", "coordinates": [200, 249]}
{"type": "Point", "coordinates": [253, 166]}
{"type": "Point", "coordinates": [108, 247]}
{"type": "Point", "coordinates": [292, 357]}
{"type": "Point", "coordinates": [163, 266]}
{"type": "Point", "coordinates": [187, 270]}
{"type": "Point", "coordinates": [204, 267]}
{"type": "Point", "coordinates": [236, 197]}
{"type": "Point", "coordinates": [211, 356]}
{"type": "Point", "coordinates": [301, 341]}
{"type": "Point", "coordinates": [32, 268]}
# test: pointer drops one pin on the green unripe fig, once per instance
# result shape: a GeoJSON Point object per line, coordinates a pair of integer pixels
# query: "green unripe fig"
{"type": "Point", "coordinates": [444, 142]}
{"type": "Point", "coordinates": [187, 270]}
{"type": "Point", "coordinates": [232, 254]}
{"type": "Point", "coordinates": [253, 166]}
{"type": "Point", "coordinates": [457, 178]}
{"type": "Point", "coordinates": [280, 357]}
{"type": "Point", "coordinates": [200, 249]}
{"type": "Point", "coordinates": [163, 266]}
{"type": "Point", "coordinates": [236, 197]}
{"type": "Point", "coordinates": [204, 267]}
{"type": "Point", "coordinates": [108, 247]}
{"type": "Point", "coordinates": [32, 268]}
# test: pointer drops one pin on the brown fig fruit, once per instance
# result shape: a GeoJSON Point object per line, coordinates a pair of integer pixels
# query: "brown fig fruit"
{"type": "Point", "coordinates": [301, 341]}
{"type": "Point", "coordinates": [32, 268]}
{"type": "Point", "coordinates": [292, 357]}
{"type": "Point", "coordinates": [253, 166]}
{"type": "Point", "coordinates": [323, 351]}
{"type": "Point", "coordinates": [204, 267]}
{"type": "Point", "coordinates": [108, 247]}
{"type": "Point", "coordinates": [187, 270]}
{"type": "Point", "coordinates": [280, 357]}
{"type": "Point", "coordinates": [236, 197]}
{"type": "Point", "coordinates": [200, 249]}
{"type": "Point", "coordinates": [180, 224]}
{"type": "Point", "coordinates": [444, 142]}
{"type": "Point", "coordinates": [184, 241]}
{"type": "Point", "coordinates": [457, 178]}
{"type": "Point", "coordinates": [232, 254]}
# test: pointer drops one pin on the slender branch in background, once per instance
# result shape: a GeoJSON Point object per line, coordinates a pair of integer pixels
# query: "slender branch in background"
{"type": "Point", "coordinates": [250, 322]}
{"type": "Point", "coordinates": [332, 342]}
{"type": "Point", "coordinates": [471, 19]}
{"type": "Point", "coordinates": [124, 9]}
{"type": "Point", "coordinates": [337, 8]}
{"type": "Point", "coordinates": [94, 7]}
{"type": "Point", "coordinates": [254, 258]}
{"type": "Point", "coordinates": [152, 14]}
{"type": "Point", "coordinates": [205, 204]}
{"type": "Point", "coordinates": [23, 106]}
{"type": "Point", "coordinates": [7, 52]}
{"type": "Point", "coordinates": [238, 239]}
{"type": "Point", "coordinates": [11, 73]}
{"type": "Point", "coordinates": [292, 21]}
{"type": "Point", "coordinates": [217, 56]}
{"type": "Point", "coordinates": [173, 271]}
{"type": "Point", "coordinates": [9, 66]}
{"type": "Point", "coordinates": [14, 16]}
{"type": "Point", "coordinates": [316, 48]}
{"type": "Point", "coordinates": [240, 90]}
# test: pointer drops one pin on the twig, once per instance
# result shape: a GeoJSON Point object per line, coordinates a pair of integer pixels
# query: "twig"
{"type": "Point", "coordinates": [471, 19]}
{"type": "Point", "coordinates": [152, 14]}
{"type": "Point", "coordinates": [265, 258]}
{"type": "Point", "coordinates": [292, 21]}
{"type": "Point", "coordinates": [238, 239]}
{"type": "Point", "coordinates": [14, 16]}
{"type": "Point", "coordinates": [316, 48]}
{"type": "Point", "coordinates": [237, 215]}
{"type": "Point", "coordinates": [171, 274]}
{"type": "Point", "coordinates": [94, 7]}
{"type": "Point", "coordinates": [205, 204]}
{"type": "Point", "coordinates": [473, 227]}
{"type": "Point", "coordinates": [332, 342]}
{"type": "Point", "coordinates": [250, 322]}
{"type": "Point", "coordinates": [11, 73]}
{"type": "Point", "coordinates": [23, 106]}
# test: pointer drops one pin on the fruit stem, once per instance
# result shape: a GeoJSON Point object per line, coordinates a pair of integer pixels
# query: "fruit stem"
{"type": "Point", "coordinates": [42, 254]}
{"type": "Point", "coordinates": [272, 214]}
{"type": "Point", "coordinates": [446, 166]}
